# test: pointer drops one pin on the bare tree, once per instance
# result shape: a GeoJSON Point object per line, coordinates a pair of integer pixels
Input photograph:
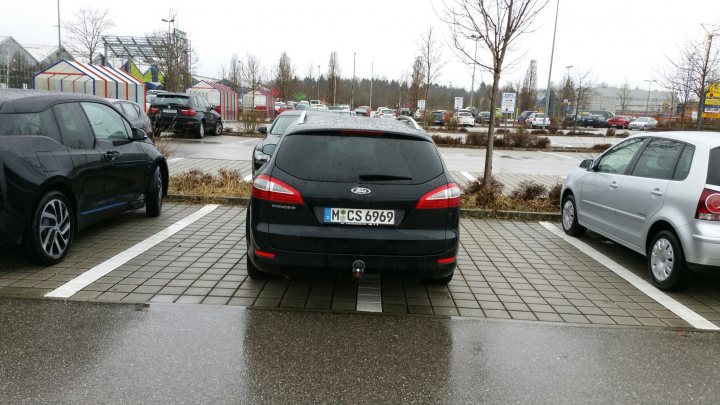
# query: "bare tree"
{"type": "Point", "coordinates": [704, 67]}
{"type": "Point", "coordinates": [234, 73]}
{"type": "Point", "coordinates": [528, 92]}
{"type": "Point", "coordinates": [432, 64]}
{"type": "Point", "coordinates": [583, 89]}
{"type": "Point", "coordinates": [87, 29]}
{"type": "Point", "coordinates": [498, 24]}
{"type": "Point", "coordinates": [253, 75]}
{"type": "Point", "coordinates": [624, 97]}
{"type": "Point", "coordinates": [679, 78]}
{"type": "Point", "coordinates": [284, 76]}
{"type": "Point", "coordinates": [417, 77]}
{"type": "Point", "coordinates": [333, 77]}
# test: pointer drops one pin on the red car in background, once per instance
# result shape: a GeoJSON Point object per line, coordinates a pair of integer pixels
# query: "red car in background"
{"type": "Point", "coordinates": [286, 107]}
{"type": "Point", "coordinates": [619, 121]}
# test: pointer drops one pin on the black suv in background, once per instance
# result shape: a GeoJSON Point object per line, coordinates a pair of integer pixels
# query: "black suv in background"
{"type": "Point", "coordinates": [68, 161]}
{"type": "Point", "coordinates": [355, 194]}
{"type": "Point", "coordinates": [184, 113]}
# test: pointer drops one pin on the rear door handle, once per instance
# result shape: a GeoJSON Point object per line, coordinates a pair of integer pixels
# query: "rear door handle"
{"type": "Point", "coordinates": [657, 192]}
{"type": "Point", "coordinates": [112, 154]}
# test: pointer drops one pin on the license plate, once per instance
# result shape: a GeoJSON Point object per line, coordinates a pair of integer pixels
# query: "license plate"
{"type": "Point", "coordinates": [350, 216]}
{"type": "Point", "coordinates": [169, 111]}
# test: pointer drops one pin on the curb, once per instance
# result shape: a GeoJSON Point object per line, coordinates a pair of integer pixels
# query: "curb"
{"type": "Point", "coordinates": [464, 212]}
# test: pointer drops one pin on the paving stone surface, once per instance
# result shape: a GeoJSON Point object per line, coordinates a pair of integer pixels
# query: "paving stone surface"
{"type": "Point", "coordinates": [506, 270]}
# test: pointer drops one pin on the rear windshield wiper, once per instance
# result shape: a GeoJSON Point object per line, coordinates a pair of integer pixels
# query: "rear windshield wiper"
{"type": "Point", "coordinates": [382, 177]}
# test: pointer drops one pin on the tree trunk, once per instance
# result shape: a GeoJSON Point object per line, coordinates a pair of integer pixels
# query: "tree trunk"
{"type": "Point", "coordinates": [487, 174]}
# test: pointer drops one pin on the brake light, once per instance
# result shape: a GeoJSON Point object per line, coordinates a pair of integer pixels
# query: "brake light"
{"type": "Point", "coordinates": [153, 110]}
{"type": "Point", "coordinates": [447, 196]}
{"type": "Point", "coordinates": [447, 260]}
{"type": "Point", "coordinates": [189, 112]}
{"type": "Point", "coordinates": [360, 132]}
{"type": "Point", "coordinates": [265, 255]}
{"type": "Point", "coordinates": [273, 190]}
{"type": "Point", "coordinates": [708, 208]}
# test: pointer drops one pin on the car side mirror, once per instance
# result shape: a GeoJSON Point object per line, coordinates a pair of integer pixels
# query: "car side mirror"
{"type": "Point", "coordinates": [138, 134]}
{"type": "Point", "coordinates": [269, 149]}
{"type": "Point", "coordinates": [262, 129]}
{"type": "Point", "coordinates": [586, 164]}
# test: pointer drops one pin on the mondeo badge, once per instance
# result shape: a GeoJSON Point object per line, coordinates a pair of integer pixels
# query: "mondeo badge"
{"type": "Point", "coordinates": [361, 190]}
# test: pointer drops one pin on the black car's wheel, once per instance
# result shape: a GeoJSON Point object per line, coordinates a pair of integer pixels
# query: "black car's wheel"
{"type": "Point", "coordinates": [569, 217]}
{"type": "Point", "coordinates": [200, 132]}
{"type": "Point", "coordinates": [154, 194]}
{"type": "Point", "coordinates": [50, 229]}
{"type": "Point", "coordinates": [666, 262]}
{"type": "Point", "coordinates": [219, 128]}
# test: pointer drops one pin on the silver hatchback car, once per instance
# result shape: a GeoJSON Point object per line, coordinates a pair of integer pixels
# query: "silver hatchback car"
{"type": "Point", "coordinates": [656, 194]}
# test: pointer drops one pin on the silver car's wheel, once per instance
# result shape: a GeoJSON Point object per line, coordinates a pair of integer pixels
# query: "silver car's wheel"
{"type": "Point", "coordinates": [569, 217]}
{"type": "Point", "coordinates": [662, 259]}
{"type": "Point", "coordinates": [219, 128]}
{"type": "Point", "coordinates": [666, 261]}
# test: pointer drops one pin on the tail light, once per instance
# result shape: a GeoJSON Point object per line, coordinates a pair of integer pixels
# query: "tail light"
{"type": "Point", "coordinates": [446, 260]}
{"type": "Point", "coordinates": [189, 112]}
{"type": "Point", "coordinates": [265, 255]}
{"type": "Point", "coordinates": [709, 206]}
{"type": "Point", "coordinates": [153, 110]}
{"type": "Point", "coordinates": [447, 196]}
{"type": "Point", "coordinates": [273, 190]}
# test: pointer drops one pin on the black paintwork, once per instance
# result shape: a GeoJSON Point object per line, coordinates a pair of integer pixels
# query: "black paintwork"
{"type": "Point", "coordinates": [299, 238]}
{"type": "Point", "coordinates": [180, 123]}
{"type": "Point", "coordinates": [102, 180]}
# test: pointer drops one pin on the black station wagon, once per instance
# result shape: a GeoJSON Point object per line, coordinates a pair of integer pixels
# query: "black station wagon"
{"type": "Point", "coordinates": [68, 161]}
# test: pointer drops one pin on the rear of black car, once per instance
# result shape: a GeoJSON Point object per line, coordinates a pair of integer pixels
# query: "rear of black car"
{"type": "Point", "coordinates": [174, 112]}
{"type": "Point", "coordinates": [330, 198]}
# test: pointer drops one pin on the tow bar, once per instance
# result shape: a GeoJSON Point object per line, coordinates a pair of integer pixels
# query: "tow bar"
{"type": "Point", "coordinates": [358, 269]}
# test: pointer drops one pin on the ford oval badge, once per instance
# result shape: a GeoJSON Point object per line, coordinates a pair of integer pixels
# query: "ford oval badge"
{"type": "Point", "coordinates": [361, 190]}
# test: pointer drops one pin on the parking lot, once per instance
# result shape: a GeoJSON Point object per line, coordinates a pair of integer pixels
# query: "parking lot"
{"type": "Point", "coordinates": [506, 270]}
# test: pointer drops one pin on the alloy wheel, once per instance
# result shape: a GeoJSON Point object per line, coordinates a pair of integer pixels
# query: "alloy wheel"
{"type": "Point", "coordinates": [568, 214]}
{"type": "Point", "coordinates": [55, 228]}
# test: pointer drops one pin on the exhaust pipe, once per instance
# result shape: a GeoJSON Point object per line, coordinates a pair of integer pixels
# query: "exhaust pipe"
{"type": "Point", "coordinates": [358, 269]}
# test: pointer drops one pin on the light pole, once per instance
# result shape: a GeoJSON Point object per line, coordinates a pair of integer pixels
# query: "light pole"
{"type": "Point", "coordinates": [318, 83]}
{"type": "Point", "coordinates": [59, 41]}
{"type": "Point", "coordinates": [472, 86]}
{"type": "Point", "coordinates": [552, 56]}
{"type": "Point", "coordinates": [701, 104]}
{"type": "Point", "coordinates": [372, 68]}
{"type": "Point", "coordinates": [647, 104]}
{"type": "Point", "coordinates": [352, 88]}
{"type": "Point", "coordinates": [168, 68]}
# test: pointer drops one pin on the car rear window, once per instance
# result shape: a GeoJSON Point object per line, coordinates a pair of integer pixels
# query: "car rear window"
{"type": "Point", "coordinates": [343, 158]}
{"type": "Point", "coordinates": [713, 176]}
{"type": "Point", "coordinates": [172, 100]}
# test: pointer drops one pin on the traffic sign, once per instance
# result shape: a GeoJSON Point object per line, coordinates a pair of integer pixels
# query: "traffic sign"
{"type": "Point", "coordinates": [711, 108]}
{"type": "Point", "coordinates": [508, 103]}
{"type": "Point", "coordinates": [458, 103]}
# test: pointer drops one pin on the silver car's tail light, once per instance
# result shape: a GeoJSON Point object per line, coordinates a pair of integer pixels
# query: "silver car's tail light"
{"type": "Point", "coordinates": [708, 208]}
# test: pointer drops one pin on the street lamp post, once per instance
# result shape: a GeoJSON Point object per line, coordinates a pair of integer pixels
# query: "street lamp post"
{"type": "Point", "coordinates": [318, 82]}
{"type": "Point", "coordinates": [352, 88]}
{"type": "Point", "coordinates": [647, 104]}
{"type": "Point", "coordinates": [472, 86]}
{"type": "Point", "coordinates": [372, 68]}
{"type": "Point", "coordinates": [168, 67]}
{"type": "Point", "coordinates": [552, 56]}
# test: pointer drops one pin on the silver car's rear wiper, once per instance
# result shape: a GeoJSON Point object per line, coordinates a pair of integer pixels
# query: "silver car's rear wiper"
{"type": "Point", "coordinates": [382, 177]}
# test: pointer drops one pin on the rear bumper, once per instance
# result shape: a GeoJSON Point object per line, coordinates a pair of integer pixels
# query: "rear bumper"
{"type": "Point", "coordinates": [286, 262]}
{"type": "Point", "coordinates": [175, 123]}
{"type": "Point", "coordinates": [701, 243]}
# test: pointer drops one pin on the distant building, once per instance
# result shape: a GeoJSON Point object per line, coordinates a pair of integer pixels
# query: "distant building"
{"type": "Point", "coordinates": [639, 101]}
{"type": "Point", "coordinates": [18, 63]}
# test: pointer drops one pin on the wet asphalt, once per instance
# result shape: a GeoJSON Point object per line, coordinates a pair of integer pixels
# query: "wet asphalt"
{"type": "Point", "coordinates": [71, 352]}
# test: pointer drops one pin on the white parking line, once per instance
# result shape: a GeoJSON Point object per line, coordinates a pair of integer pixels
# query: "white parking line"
{"type": "Point", "coordinates": [175, 159]}
{"type": "Point", "coordinates": [245, 141]}
{"type": "Point", "coordinates": [562, 144]}
{"type": "Point", "coordinates": [468, 176]}
{"type": "Point", "coordinates": [68, 289]}
{"type": "Point", "coordinates": [687, 314]}
{"type": "Point", "coordinates": [248, 177]}
{"type": "Point", "coordinates": [557, 155]}
{"type": "Point", "coordinates": [369, 295]}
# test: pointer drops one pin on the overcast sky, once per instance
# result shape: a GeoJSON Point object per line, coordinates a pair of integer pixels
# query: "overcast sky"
{"type": "Point", "coordinates": [616, 40]}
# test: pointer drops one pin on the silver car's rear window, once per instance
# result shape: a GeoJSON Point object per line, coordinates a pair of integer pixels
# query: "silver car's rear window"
{"type": "Point", "coordinates": [713, 176]}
